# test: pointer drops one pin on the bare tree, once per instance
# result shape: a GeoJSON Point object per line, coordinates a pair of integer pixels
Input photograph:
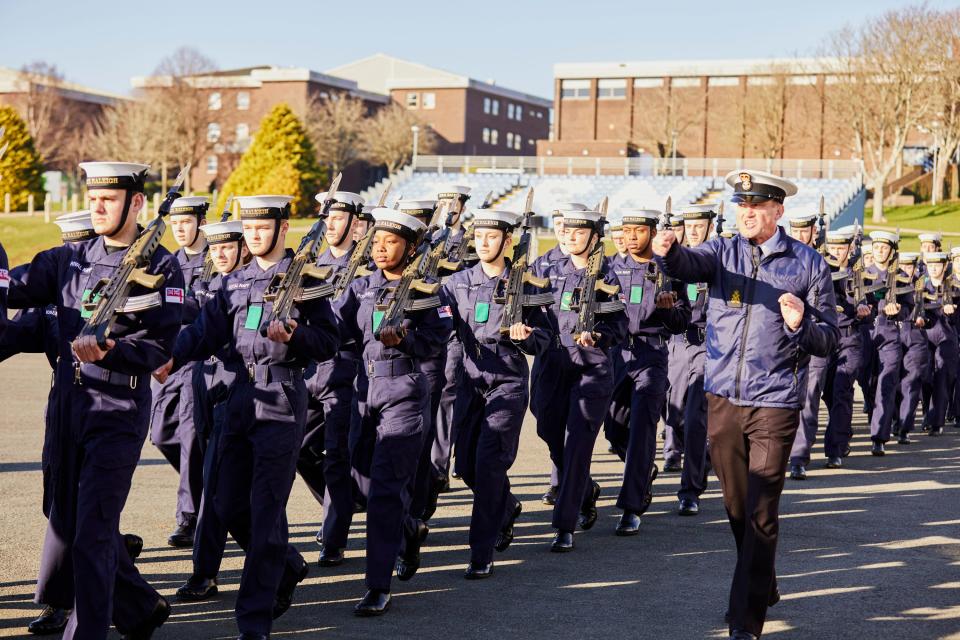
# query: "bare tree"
{"type": "Point", "coordinates": [49, 116]}
{"type": "Point", "coordinates": [335, 126]}
{"type": "Point", "coordinates": [667, 114]}
{"type": "Point", "coordinates": [882, 87]}
{"type": "Point", "coordinates": [943, 122]}
{"type": "Point", "coordinates": [767, 106]}
{"type": "Point", "coordinates": [183, 107]}
{"type": "Point", "coordinates": [131, 130]}
{"type": "Point", "coordinates": [388, 138]}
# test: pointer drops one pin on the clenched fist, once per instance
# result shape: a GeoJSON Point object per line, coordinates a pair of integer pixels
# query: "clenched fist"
{"type": "Point", "coordinates": [663, 241]}
{"type": "Point", "coordinates": [791, 308]}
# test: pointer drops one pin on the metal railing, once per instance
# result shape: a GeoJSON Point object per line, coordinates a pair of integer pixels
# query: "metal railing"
{"type": "Point", "coordinates": [638, 166]}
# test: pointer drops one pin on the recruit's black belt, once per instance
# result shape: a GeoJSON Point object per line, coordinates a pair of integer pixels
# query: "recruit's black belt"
{"type": "Point", "coordinates": [694, 335]}
{"type": "Point", "coordinates": [265, 373]}
{"type": "Point", "coordinates": [494, 350]}
{"type": "Point", "coordinates": [849, 330]}
{"type": "Point", "coordinates": [654, 340]}
{"type": "Point", "coordinates": [391, 368]}
{"type": "Point", "coordinates": [346, 355]}
{"type": "Point", "coordinates": [93, 373]}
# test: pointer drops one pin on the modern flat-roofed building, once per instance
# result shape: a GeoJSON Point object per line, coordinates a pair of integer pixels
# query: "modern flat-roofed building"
{"type": "Point", "coordinates": [765, 108]}
{"type": "Point", "coordinates": [470, 117]}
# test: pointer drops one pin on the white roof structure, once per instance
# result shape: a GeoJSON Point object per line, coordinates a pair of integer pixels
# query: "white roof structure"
{"type": "Point", "coordinates": [13, 81]}
{"type": "Point", "coordinates": [381, 73]}
{"type": "Point", "coordinates": [255, 77]}
{"type": "Point", "coordinates": [695, 68]}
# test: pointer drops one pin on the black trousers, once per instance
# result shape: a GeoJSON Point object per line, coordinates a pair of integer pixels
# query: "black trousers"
{"type": "Point", "coordinates": [749, 448]}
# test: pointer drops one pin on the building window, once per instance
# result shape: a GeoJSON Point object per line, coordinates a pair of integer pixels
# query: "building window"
{"type": "Point", "coordinates": [494, 135]}
{"type": "Point", "coordinates": [519, 113]}
{"type": "Point", "coordinates": [647, 83]}
{"type": "Point", "coordinates": [510, 111]}
{"type": "Point", "coordinates": [213, 101]}
{"type": "Point", "coordinates": [685, 82]}
{"type": "Point", "coordinates": [486, 135]}
{"type": "Point", "coordinates": [486, 105]}
{"type": "Point", "coordinates": [429, 101]}
{"type": "Point", "coordinates": [574, 89]}
{"type": "Point", "coordinates": [517, 140]}
{"type": "Point", "coordinates": [212, 164]}
{"type": "Point", "coordinates": [243, 100]}
{"type": "Point", "coordinates": [413, 100]}
{"type": "Point", "coordinates": [531, 142]}
{"type": "Point", "coordinates": [495, 108]}
{"type": "Point", "coordinates": [243, 131]}
{"type": "Point", "coordinates": [611, 88]}
{"type": "Point", "coordinates": [761, 81]}
{"type": "Point", "coordinates": [213, 132]}
{"type": "Point", "coordinates": [509, 140]}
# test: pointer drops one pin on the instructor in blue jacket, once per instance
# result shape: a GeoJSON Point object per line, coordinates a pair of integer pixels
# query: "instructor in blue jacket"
{"type": "Point", "coordinates": [771, 307]}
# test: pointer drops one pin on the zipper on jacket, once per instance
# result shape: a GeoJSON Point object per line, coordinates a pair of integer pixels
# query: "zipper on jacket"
{"type": "Point", "coordinates": [748, 300]}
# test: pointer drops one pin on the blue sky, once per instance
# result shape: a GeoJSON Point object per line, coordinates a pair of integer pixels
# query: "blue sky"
{"type": "Point", "coordinates": [103, 43]}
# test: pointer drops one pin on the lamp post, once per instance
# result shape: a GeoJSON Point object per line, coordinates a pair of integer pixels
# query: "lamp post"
{"type": "Point", "coordinates": [416, 143]}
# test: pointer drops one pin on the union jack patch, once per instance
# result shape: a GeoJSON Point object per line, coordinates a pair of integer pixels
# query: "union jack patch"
{"type": "Point", "coordinates": [445, 311]}
{"type": "Point", "coordinates": [174, 295]}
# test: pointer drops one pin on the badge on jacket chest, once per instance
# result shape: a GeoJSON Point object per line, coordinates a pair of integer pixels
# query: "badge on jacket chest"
{"type": "Point", "coordinates": [735, 300]}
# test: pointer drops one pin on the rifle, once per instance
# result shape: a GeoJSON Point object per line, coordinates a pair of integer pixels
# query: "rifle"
{"type": "Point", "coordinates": [583, 299]}
{"type": "Point", "coordinates": [451, 259]}
{"type": "Point", "coordinates": [207, 274]}
{"type": "Point", "coordinates": [719, 229]}
{"type": "Point", "coordinates": [111, 296]}
{"type": "Point", "coordinates": [396, 302]}
{"type": "Point", "coordinates": [510, 291]}
{"type": "Point", "coordinates": [359, 257]}
{"type": "Point", "coordinates": [919, 289]}
{"type": "Point", "coordinates": [821, 243]}
{"type": "Point", "coordinates": [287, 288]}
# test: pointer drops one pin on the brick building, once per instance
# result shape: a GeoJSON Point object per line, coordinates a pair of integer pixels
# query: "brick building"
{"type": "Point", "coordinates": [238, 99]}
{"type": "Point", "coordinates": [701, 108]}
{"type": "Point", "coordinates": [470, 117]}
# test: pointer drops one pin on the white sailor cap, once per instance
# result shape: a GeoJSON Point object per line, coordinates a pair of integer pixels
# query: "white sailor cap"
{"type": "Point", "coordinates": [867, 246]}
{"type": "Point", "coordinates": [454, 191]}
{"type": "Point", "coordinates": [618, 227]}
{"type": "Point", "coordinates": [579, 219]}
{"type": "Point", "coordinates": [398, 222]}
{"type": "Point", "coordinates": [955, 252]}
{"type": "Point", "coordinates": [417, 208]}
{"type": "Point", "coordinates": [699, 212]}
{"type": "Point", "coordinates": [190, 205]}
{"type": "Point", "coordinates": [676, 220]}
{"type": "Point", "coordinates": [908, 257]}
{"type": "Point", "coordinates": [890, 237]}
{"type": "Point", "coordinates": [931, 237]}
{"type": "Point", "coordinates": [260, 207]}
{"type": "Point", "coordinates": [366, 213]}
{"type": "Point", "coordinates": [342, 201]}
{"type": "Point", "coordinates": [495, 219]}
{"type": "Point", "coordinates": [115, 175]}
{"type": "Point", "coordinates": [803, 221]}
{"type": "Point", "coordinates": [220, 232]}
{"type": "Point", "coordinates": [568, 206]}
{"type": "Point", "coordinates": [759, 186]}
{"type": "Point", "coordinates": [649, 217]}
{"type": "Point", "coordinates": [935, 256]}
{"type": "Point", "coordinates": [75, 227]}
{"type": "Point", "coordinates": [840, 236]}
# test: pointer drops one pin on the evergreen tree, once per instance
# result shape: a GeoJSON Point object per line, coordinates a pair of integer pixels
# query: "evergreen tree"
{"type": "Point", "coordinates": [21, 168]}
{"type": "Point", "coordinates": [280, 161]}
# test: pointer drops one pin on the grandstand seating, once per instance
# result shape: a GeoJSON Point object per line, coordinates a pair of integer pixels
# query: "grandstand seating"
{"type": "Point", "coordinates": [509, 189]}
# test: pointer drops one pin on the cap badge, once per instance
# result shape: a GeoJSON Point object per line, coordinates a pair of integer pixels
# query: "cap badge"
{"type": "Point", "coordinates": [746, 182]}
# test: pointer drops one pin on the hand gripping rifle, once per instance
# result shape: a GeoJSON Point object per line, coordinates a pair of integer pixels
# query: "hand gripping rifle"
{"type": "Point", "coordinates": [584, 298]}
{"type": "Point", "coordinates": [111, 296]}
{"type": "Point", "coordinates": [467, 249]}
{"type": "Point", "coordinates": [207, 274]}
{"type": "Point", "coordinates": [662, 282]}
{"type": "Point", "coordinates": [438, 254]}
{"type": "Point", "coordinates": [359, 257]}
{"type": "Point", "coordinates": [287, 288]}
{"type": "Point", "coordinates": [510, 291]}
{"type": "Point", "coordinates": [396, 302]}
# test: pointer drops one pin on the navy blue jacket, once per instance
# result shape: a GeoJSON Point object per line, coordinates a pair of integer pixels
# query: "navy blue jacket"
{"type": "Point", "coordinates": [753, 358]}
